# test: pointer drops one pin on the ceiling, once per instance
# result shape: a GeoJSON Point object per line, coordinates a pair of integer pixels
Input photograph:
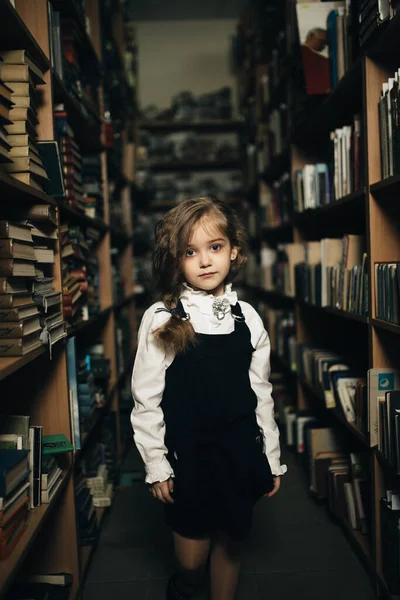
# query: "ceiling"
{"type": "Point", "coordinates": [159, 10]}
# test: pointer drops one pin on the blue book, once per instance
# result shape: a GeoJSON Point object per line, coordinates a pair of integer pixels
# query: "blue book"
{"type": "Point", "coordinates": [14, 467]}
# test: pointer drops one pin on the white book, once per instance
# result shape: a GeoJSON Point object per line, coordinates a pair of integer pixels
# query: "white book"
{"type": "Point", "coordinates": [351, 505]}
{"type": "Point", "coordinates": [379, 381]}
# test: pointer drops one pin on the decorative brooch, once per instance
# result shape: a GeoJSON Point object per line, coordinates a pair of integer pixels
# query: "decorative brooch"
{"type": "Point", "coordinates": [220, 307]}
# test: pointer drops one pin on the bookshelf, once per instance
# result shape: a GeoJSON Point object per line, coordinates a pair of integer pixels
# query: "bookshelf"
{"type": "Point", "coordinates": [34, 384]}
{"type": "Point", "coordinates": [372, 211]}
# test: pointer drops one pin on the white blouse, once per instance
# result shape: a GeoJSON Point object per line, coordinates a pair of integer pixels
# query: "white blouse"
{"type": "Point", "coordinates": [148, 379]}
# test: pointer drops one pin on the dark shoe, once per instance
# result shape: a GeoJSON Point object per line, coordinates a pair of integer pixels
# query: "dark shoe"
{"type": "Point", "coordinates": [173, 593]}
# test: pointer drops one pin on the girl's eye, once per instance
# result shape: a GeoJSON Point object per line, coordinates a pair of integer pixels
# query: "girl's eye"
{"type": "Point", "coordinates": [189, 252]}
{"type": "Point", "coordinates": [216, 247]}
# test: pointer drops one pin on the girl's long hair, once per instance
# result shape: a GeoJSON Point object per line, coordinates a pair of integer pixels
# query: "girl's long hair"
{"type": "Point", "coordinates": [171, 242]}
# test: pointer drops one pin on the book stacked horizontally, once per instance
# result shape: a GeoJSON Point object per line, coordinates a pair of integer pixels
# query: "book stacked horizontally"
{"type": "Point", "coordinates": [100, 488]}
{"type": "Point", "coordinates": [71, 159]}
{"type": "Point", "coordinates": [80, 273]}
{"type": "Point", "coordinates": [21, 75]}
{"type": "Point", "coordinates": [5, 107]}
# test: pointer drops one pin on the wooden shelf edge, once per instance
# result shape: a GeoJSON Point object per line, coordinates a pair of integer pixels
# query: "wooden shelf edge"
{"type": "Point", "coordinates": [96, 223]}
{"type": "Point", "coordinates": [37, 518]}
{"type": "Point", "coordinates": [335, 312]}
{"type": "Point", "coordinates": [14, 363]}
{"type": "Point", "coordinates": [351, 200]}
{"type": "Point", "coordinates": [385, 325]}
{"type": "Point", "coordinates": [17, 190]}
{"type": "Point", "coordinates": [75, 329]}
{"type": "Point", "coordinates": [380, 187]}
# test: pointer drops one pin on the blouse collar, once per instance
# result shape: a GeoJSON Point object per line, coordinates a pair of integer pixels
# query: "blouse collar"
{"type": "Point", "coordinates": [203, 301]}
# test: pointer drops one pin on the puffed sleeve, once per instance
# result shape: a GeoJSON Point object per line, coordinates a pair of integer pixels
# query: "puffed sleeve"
{"type": "Point", "coordinates": [148, 382]}
{"type": "Point", "coordinates": [260, 370]}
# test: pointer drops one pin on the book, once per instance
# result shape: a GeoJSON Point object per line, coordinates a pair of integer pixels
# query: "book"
{"type": "Point", "coordinates": [29, 179]}
{"type": "Point", "coordinates": [63, 579]}
{"type": "Point", "coordinates": [26, 164]}
{"type": "Point", "coordinates": [7, 545]}
{"type": "Point", "coordinates": [13, 58]}
{"type": "Point", "coordinates": [16, 329]}
{"type": "Point", "coordinates": [56, 444]}
{"type": "Point", "coordinates": [15, 300]}
{"type": "Point", "coordinates": [10, 248]}
{"type": "Point", "coordinates": [380, 381]}
{"type": "Point", "coordinates": [18, 425]}
{"type": "Point", "coordinates": [20, 347]}
{"type": "Point", "coordinates": [14, 267]}
{"type": "Point", "coordinates": [14, 467]}
{"type": "Point", "coordinates": [50, 156]}
{"type": "Point", "coordinates": [35, 464]}
{"type": "Point", "coordinates": [17, 314]}
{"type": "Point", "coordinates": [48, 495]}
{"type": "Point", "coordinates": [16, 231]}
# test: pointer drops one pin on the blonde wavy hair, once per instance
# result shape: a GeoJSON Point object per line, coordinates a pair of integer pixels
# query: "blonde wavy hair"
{"type": "Point", "coordinates": [171, 241]}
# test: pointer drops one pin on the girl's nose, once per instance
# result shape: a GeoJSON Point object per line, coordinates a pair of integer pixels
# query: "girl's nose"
{"type": "Point", "coordinates": [204, 260]}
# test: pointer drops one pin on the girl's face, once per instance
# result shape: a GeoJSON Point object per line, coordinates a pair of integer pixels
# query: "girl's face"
{"type": "Point", "coordinates": [208, 258]}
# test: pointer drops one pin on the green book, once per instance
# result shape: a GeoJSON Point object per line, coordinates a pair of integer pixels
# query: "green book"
{"type": "Point", "coordinates": [56, 444]}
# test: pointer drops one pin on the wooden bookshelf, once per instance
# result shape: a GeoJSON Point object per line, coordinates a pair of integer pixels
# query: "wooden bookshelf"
{"type": "Point", "coordinates": [216, 126]}
{"type": "Point", "coordinates": [34, 384]}
{"type": "Point", "coordinates": [217, 165]}
{"type": "Point", "coordinates": [373, 211]}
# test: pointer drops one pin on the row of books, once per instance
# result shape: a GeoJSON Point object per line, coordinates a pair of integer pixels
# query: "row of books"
{"type": "Point", "coordinates": [336, 474]}
{"type": "Point", "coordinates": [19, 151]}
{"type": "Point", "coordinates": [272, 137]}
{"type": "Point", "coordinates": [275, 206]}
{"type": "Point", "coordinates": [332, 378]}
{"type": "Point", "coordinates": [88, 379]}
{"type": "Point", "coordinates": [387, 292]}
{"type": "Point", "coordinates": [30, 474]}
{"type": "Point", "coordinates": [80, 269]}
{"type": "Point", "coordinates": [281, 327]}
{"type": "Point", "coordinates": [388, 126]}
{"type": "Point", "coordinates": [332, 273]}
{"type": "Point", "coordinates": [320, 184]}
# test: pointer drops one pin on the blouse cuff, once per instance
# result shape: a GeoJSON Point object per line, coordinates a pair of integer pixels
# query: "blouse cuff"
{"type": "Point", "coordinates": [276, 468]}
{"type": "Point", "coordinates": [160, 471]}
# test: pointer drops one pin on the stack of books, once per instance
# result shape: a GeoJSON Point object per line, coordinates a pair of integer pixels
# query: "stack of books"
{"type": "Point", "coordinates": [20, 327]}
{"type": "Point", "coordinates": [80, 273]}
{"type": "Point", "coordinates": [342, 27]}
{"type": "Point", "coordinates": [100, 488]}
{"type": "Point", "coordinates": [71, 159]}
{"type": "Point", "coordinates": [14, 501]}
{"type": "Point", "coordinates": [389, 114]}
{"type": "Point", "coordinates": [5, 107]}
{"type": "Point", "coordinates": [333, 273]}
{"type": "Point", "coordinates": [51, 477]}
{"type": "Point", "coordinates": [92, 186]}
{"type": "Point", "coordinates": [21, 75]}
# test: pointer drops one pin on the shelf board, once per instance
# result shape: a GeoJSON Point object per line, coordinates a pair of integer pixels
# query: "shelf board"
{"type": "Point", "coordinates": [278, 166]}
{"type": "Point", "coordinates": [335, 312]}
{"type": "Point", "coordinates": [360, 542]}
{"type": "Point", "coordinates": [383, 45]}
{"type": "Point", "coordinates": [84, 325]}
{"type": "Point", "coordinates": [386, 187]}
{"type": "Point", "coordinates": [15, 34]}
{"type": "Point", "coordinates": [352, 202]}
{"type": "Point", "coordinates": [14, 363]}
{"type": "Point", "coordinates": [387, 326]}
{"type": "Point", "coordinates": [37, 518]}
{"type": "Point", "coordinates": [270, 295]}
{"type": "Point", "coordinates": [215, 165]}
{"type": "Point", "coordinates": [15, 190]}
{"type": "Point", "coordinates": [283, 231]}
{"type": "Point", "coordinates": [338, 107]}
{"type": "Point", "coordinates": [198, 126]}
{"type": "Point", "coordinates": [81, 218]}
{"type": "Point", "coordinates": [86, 128]}
{"type": "Point", "coordinates": [385, 464]}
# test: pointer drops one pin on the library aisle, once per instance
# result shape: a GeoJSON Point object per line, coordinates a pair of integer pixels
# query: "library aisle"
{"type": "Point", "coordinates": [296, 549]}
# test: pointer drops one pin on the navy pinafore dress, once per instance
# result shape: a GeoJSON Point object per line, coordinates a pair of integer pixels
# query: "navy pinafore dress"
{"type": "Point", "coordinates": [214, 443]}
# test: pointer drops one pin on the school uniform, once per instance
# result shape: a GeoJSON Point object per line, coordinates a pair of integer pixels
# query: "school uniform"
{"type": "Point", "coordinates": [205, 417]}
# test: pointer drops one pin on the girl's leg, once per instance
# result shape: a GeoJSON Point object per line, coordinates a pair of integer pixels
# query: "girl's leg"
{"type": "Point", "coordinates": [191, 556]}
{"type": "Point", "coordinates": [225, 568]}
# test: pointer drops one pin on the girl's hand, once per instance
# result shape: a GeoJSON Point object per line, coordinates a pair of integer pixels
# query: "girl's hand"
{"type": "Point", "coordinates": [277, 485]}
{"type": "Point", "coordinates": [162, 490]}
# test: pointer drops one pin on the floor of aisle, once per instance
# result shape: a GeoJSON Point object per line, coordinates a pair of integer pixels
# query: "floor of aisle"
{"type": "Point", "coordinates": [295, 551]}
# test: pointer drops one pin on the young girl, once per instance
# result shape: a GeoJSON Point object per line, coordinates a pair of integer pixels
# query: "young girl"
{"type": "Point", "coordinates": [203, 412]}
